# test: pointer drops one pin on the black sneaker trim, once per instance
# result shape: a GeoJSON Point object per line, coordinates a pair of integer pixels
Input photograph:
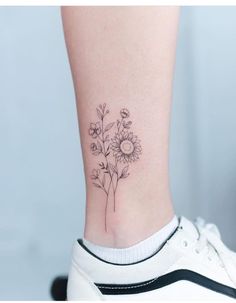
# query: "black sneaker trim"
{"type": "Point", "coordinates": [80, 242]}
{"type": "Point", "coordinates": [167, 279]}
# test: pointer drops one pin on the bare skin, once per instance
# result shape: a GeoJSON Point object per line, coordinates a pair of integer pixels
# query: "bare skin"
{"type": "Point", "coordinates": [122, 61]}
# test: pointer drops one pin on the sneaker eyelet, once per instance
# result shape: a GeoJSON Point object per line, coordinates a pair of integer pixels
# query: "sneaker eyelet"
{"type": "Point", "coordinates": [197, 251]}
{"type": "Point", "coordinates": [210, 259]}
{"type": "Point", "coordinates": [185, 243]}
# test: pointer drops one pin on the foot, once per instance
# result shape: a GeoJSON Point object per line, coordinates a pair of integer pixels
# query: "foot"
{"type": "Point", "coordinates": [192, 264]}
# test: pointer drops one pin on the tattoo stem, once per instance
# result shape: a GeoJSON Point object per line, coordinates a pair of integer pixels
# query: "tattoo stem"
{"type": "Point", "coordinates": [120, 124]}
{"type": "Point", "coordinates": [109, 171]}
{"type": "Point", "coordinates": [103, 188]}
{"type": "Point", "coordinates": [115, 185]}
{"type": "Point", "coordinates": [104, 153]}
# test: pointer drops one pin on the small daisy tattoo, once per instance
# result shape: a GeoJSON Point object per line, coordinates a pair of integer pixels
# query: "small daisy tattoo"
{"type": "Point", "coordinates": [116, 147]}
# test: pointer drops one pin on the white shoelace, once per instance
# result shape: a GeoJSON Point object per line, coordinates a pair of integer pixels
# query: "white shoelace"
{"type": "Point", "coordinates": [210, 241]}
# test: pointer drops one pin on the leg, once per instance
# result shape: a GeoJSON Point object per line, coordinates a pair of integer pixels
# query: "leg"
{"type": "Point", "coordinates": [122, 58]}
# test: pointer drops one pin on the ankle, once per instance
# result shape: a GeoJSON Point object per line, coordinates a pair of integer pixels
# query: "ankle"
{"type": "Point", "coordinates": [137, 252]}
{"type": "Point", "coordinates": [125, 230]}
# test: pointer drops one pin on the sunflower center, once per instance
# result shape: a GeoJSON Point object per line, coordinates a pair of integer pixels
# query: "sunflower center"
{"type": "Point", "coordinates": [127, 147]}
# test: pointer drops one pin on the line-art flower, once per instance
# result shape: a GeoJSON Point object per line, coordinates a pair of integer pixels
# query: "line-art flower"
{"type": "Point", "coordinates": [95, 174]}
{"type": "Point", "coordinates": [96, 148]}
{"type": "Point", "coordinates": [124, 113]}
{"type": "Point", "coordinates": [126, 147]}
{"type": "Point", "coordinates": [93, 147]}
{"type": "Point", "coordinates": [95, 130]}
{"type": "Point", "coordinates": [116, 149]}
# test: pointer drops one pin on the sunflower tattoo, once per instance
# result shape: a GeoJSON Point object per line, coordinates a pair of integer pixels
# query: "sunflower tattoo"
{"type": "Point", "coordinates": [126, 147]}
{"type": "Point", "coordinates": [116, 148]}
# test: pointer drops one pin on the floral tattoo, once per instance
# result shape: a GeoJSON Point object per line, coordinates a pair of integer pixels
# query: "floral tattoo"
{"type": "Point", "coordinates": [117, 147]}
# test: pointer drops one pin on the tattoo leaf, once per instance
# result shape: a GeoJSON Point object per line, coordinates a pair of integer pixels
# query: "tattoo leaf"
{"type": "Point", "coordinates": [127, 124]}
{"type": "Point", "coordinates": [97, 185]}
{"type": "Point", "coordinates": [103, 180]}
{"type": "Point", "coordinates": [102, 165]}
{"type": "Point", "coordinates": [124, 173]}
{"type": "Point", "coordinates": [108, 127]}
{"type": "Point", "coordinates": [96, 152]}
{"type": "Point", "coordinates": [99, 114]}
{"type": "Point", "coordinates": [125, 169]}
{"type": "Point", "coordinates": [107, 151]}
{"type": "Point", "coordinates": [124, 176]}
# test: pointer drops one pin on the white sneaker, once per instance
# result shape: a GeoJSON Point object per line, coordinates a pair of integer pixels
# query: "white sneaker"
{"type": "Point", "coordinates": [192, 264]}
